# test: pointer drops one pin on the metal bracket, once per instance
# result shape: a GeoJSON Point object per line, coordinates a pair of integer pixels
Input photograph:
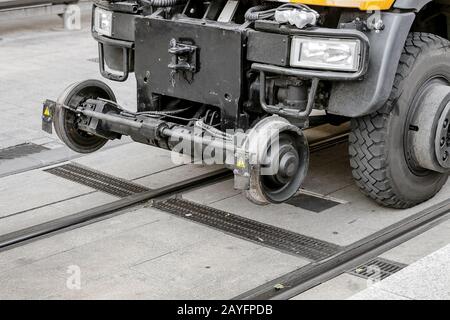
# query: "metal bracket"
{"type": "Point", "coordinates": [184, 56]}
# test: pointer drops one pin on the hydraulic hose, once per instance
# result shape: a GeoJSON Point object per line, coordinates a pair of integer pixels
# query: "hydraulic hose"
{"type": "Point", "coordinates": [257, 12]}
{"type": "Point", "coordinates": [265, 11]}
{"type": "Point", "coordinates": [163, 3]}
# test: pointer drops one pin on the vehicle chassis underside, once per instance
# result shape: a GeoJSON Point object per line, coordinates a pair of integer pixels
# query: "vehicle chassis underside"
{"type": "Point", "coordinates": [204, 68]}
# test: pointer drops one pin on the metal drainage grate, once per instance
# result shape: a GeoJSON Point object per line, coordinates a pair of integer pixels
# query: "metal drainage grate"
{"type": "Point", "coordinates": [97, 180]}
{"type": "Point", "coordinates": [312, 203]}
{"type": "Point", "coordinates": [378, 268]}
{"type": "Point", "coordinates": [21, 150]}
{"type": "Point", "coordinates": [255, 231]}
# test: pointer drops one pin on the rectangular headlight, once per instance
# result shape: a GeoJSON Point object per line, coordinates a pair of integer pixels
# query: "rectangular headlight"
{"type": "Point", "coordinates": [326, 54]}
{"type": "Point", "coordinates": [103, 21]}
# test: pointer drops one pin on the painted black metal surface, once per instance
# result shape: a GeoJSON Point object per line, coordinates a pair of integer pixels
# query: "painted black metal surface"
{"type": "Point", "coordinates": [263, 234]}
{"type": "Point", "coordinates": [20, 150]}
{"type": "Point", "coordinates": [312, 203]}
{"type": "Point", "coordinates": [358, 98]}
{"type": "Point", "coordinates": [377, 268]}
{"type": "Point", "coordinates": [279, 45]}
{"type": "Point", "coordinates": [217, 77]}
{"type": "Point", "coordinates": [97, 180]}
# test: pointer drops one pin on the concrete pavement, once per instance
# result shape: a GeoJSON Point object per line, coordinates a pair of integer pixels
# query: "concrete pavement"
{"type": "Point", "coordinates": [426, 279]}
{"type": "Point", "coordinates": [146, 253]}
{"type": "Point", "coordinates": [38, 60]}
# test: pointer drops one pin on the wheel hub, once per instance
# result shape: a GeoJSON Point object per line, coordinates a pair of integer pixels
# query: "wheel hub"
{"type": "Point", "coordinates": [286, 162]}
{"type": "Point", "coordinates": [443, 139]}
{"type": "Point", "coordinates": [289, 164]}
{"type": "Point", "coordinates": [430, 137]}
{"type": "Point", "coordinates": [282, 155]}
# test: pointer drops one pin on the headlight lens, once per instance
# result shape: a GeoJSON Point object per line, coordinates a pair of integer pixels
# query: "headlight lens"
{"type": "Point", "coordinates": [326, 54]}
{"type": "Point", "coordinates": [102, 21]}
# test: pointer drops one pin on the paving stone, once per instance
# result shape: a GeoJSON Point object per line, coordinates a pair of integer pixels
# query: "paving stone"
{"type": "Point", "coordinates": [212, 194]}
{"type": "Point", "coordinates": [57, 65]}
{"type": "Point", "coordinates": [174, 175]}
{"type": "Point", "coordinates": [220, 268]}
{"type": "Point", "coordinates": [53, 211]}
{"type": "Point", "coordinates": [47, 247]}
{"type": "Point", "coordinates": [125, 284]}
{"type": "Point", "coordinates": [130, 161]}
{"type": "Point", "coordinates": [159, 264]}
{"type": "Point", "coordinates": [39, 187]}
{"type": "Point", "coordinates": [374, 293]}
{"type": "Point", "coordinates": [36, 281]}
{"type": "Point", "coordinates": [426, 279]}
{"type": "Point", "coordinates": [329, 170]}
{"type": "Point", "coordinates": [421, 246]}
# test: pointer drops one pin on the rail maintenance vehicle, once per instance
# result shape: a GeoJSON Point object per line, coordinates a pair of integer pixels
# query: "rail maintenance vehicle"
{"type": "Point", "coordinates": [230, 75]}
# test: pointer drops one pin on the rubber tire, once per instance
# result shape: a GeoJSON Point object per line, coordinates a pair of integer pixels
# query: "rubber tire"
{"type": "Point", "coordinates": [62, 128]}
{"type": "Point", "coordinates": [377, 154]}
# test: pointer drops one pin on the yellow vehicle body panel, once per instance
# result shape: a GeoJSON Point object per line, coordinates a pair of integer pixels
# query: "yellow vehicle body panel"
{"type": "Point", "coordinates": [360, 4]}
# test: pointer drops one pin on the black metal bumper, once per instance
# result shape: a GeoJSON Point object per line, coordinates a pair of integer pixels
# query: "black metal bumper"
{"type": "Point", "coordinates": [214, 70]}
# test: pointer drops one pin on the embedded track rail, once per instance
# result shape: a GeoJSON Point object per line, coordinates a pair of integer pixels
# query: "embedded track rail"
{"type": "Point", "coordinates": [287, 286]}
{"type": "Point", "coordinates": [13, 239]}
{"type": "Point", "coordinates": [33, 233]}
{"type": "Point", "coordinates": [315, 273]}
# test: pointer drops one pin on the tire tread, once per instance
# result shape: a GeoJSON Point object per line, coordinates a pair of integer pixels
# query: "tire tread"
{"type": "Point", "coordinates": [367, 142]}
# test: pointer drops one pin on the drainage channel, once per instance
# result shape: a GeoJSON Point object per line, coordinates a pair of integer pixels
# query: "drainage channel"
{"type": "Point", "coordinates": [97, 180]}
{"type": "Point", "coordinates": [379, 267]}
{"type": "Point", "coordinates": [33, 233]}
{"type": "Point", "coordinates": [133, 194]}
{"type": "Point", "coordinates": [29, 149]}
{"type": "Point", "coordinates": [351, 257]}
{"type": "Point", "coordinates": [260, 233]}
{"type": "Point", "coordinates": [328, 260]}
{"type": "Point", "coordinates": [20, 150]}
{"type": "Point", "coordinates": [272, 237]}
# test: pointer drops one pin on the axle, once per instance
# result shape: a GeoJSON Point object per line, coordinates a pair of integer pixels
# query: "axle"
{"type": "Point", "coordinates": [273, 148]}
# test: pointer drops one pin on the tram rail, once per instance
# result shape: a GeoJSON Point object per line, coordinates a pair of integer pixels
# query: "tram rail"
{"type": "Point", "coordinates": [33, 233]}
{"type": "Point", "coordinates": [284, 287]}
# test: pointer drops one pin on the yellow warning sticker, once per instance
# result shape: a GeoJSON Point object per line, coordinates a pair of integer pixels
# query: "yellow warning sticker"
{"type": "Point", "coordinates": [240, 164]}
{"type": "Point", "coordinates": [46, 112]}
